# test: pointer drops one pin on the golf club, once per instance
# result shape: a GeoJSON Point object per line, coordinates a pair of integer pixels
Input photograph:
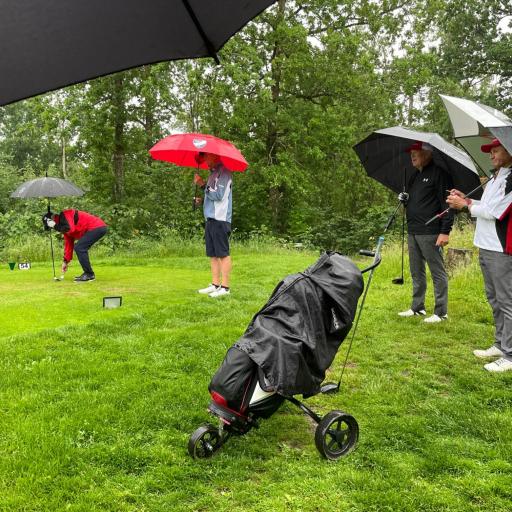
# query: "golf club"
{"type": "Point", "coordinates": [332, 387]}
{"type": "Point", "coordinates": [400, 280]}
{"type": "Point", "coordinates": [403, 198]}
{"type": "Point", "coordinates": [444, 212]}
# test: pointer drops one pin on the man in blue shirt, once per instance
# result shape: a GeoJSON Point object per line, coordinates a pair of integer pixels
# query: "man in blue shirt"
{"type": "Point", "coordinates": [217, 207]}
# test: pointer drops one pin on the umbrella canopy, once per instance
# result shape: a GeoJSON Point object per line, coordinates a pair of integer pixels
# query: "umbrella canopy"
{"type": "Point", "coordinates": [48, 45]}
{"type": "Point", "coordinates": [46, 187]}
{"type": "Point", "coordinates": [181, 149]}
{"type": "Point", "coordinates": [474, 124]}
{"type": "Point", "coordinates": [384, 157]}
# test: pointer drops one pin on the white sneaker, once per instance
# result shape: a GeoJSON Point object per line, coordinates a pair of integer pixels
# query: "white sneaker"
{"type": "Point", "coordinates": [493, 351]}
{"type": "Point", "coordinates": [209, 289]}
{"type": "Point", "coordinates": [500, 365]}
{"type": "Point", "coordinates": [218, 293]}
{"type": "Point", "coordinates": [435, 318]}
{"type": "Point", "coordinates": [411, 312]}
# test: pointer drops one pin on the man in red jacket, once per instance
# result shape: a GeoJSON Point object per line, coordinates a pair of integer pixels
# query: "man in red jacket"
{"type": "Point", "coordinates": [77, 225]}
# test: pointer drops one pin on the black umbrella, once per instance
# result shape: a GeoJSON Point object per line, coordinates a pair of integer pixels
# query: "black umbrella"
{"type": "Point", "coordinates": [384, 156]}
{"type": "Point", "coordinates": [47, 188]}
{"type": "Point", "coordinates": [48, 45]}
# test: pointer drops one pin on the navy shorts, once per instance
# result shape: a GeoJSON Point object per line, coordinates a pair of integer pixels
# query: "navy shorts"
{"type": "Point", "coordinates": [216, 236]}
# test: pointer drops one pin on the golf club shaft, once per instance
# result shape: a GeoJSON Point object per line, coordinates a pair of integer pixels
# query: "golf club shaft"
{"type": "Point", "coordinates": [444, 212]}
{"type": "Point", "coordinates": [361, 306]}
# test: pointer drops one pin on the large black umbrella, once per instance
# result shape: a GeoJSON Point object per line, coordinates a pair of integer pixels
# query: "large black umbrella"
{"type": "Point", "coordinates": [46, 45]}
{"type": "Point", "coordinates": [47, 188]}
{"type": "Point", "coordinates": [384, 157]}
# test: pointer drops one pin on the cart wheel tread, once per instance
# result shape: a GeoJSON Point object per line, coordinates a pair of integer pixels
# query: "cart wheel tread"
{"type": "Point", "coordinates": [336, 435]}
{"type": "Point", "coordinates": [204, 442]}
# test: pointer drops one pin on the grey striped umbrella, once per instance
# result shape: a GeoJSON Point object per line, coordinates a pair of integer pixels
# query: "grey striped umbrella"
{"type": "Point", "coordinates": [46, 187]}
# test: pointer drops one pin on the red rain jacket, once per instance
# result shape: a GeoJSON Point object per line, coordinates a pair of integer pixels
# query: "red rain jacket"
{"type": "Point", "coordinates": [74, 231]}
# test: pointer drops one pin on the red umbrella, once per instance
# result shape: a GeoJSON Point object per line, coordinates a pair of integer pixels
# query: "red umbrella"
{"type": "Point", "coordinates": [181, 149]}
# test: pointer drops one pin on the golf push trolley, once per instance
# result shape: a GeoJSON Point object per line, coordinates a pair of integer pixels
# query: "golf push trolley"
{"type": "Point", "coordinates": [285, 351]}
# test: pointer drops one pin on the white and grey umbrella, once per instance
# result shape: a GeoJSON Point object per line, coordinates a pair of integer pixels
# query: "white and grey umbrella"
{"type": "Point", "coordinates": [475, 124]}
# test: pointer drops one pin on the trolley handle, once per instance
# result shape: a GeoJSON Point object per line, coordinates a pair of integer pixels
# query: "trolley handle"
{"type": "Point", "coordinates": [372, 254]}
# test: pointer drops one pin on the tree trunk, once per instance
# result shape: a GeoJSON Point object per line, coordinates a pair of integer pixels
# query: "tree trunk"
{"type": "Point", "coordinates": [119, 143]}
{"type": "Point", "coordinates": [276, 193]}
{"type": "Point", "coordinates": [64, 167]}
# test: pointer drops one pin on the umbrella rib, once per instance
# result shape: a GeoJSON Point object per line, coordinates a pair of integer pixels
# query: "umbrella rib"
{"type": "Point", "coordinates": [202, 33]}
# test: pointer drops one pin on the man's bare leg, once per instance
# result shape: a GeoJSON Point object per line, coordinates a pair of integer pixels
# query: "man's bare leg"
{"type": "Point", "coordinates": [225, 268]}
{"type": "Point", "coordinates": [215, 266]}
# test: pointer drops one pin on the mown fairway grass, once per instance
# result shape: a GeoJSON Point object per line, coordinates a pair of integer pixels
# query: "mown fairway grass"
{"type": "Point", "coordinates": [96, 407]}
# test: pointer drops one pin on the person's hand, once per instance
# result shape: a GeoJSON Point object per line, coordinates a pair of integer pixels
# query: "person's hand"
{"type": "Point", "coordinates": [442, 240]}
{"type": "Point", "coordinates": [198, 200]}
{"type": "Point", "coordinates": [455, 192]}
{"type": "Point", "coordinates": [403, 197]}
{"type": "Point", "coordinates": [198, 180]}
{"type": "Point", "coordinates": [64, 267]}
{"type": "Point", "coordinates": [457, 202]}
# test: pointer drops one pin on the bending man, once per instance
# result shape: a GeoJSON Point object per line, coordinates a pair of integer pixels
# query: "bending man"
{"type": "Point", "coordinates": [77, 225]}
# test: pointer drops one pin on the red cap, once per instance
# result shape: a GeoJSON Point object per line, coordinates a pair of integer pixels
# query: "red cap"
{"type": "Point", "coordinates": [418, 146]}
{"type": "Point", "coordinates": [486, 148]}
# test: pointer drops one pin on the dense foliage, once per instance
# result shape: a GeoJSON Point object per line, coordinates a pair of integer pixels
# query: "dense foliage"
{"type": "Point", "coordinates": [296, 89]}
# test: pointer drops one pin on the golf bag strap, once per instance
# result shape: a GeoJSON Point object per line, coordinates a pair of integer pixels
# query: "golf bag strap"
{"type": "Point", "coordinates": [75, 217]}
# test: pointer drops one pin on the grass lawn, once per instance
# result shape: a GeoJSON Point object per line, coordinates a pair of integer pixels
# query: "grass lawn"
{"type": "Point", "coordinates": [96, 406]}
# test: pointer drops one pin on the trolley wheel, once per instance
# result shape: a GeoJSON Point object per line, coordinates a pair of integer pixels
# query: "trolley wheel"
{"type": "Point", "coordinates": [336, 435]}
{"type": "Point", "coordinates": [204, 442]}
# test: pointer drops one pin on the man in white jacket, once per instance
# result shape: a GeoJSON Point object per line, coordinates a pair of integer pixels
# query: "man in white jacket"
{"type": "Point", "coordinates": [493, 237]}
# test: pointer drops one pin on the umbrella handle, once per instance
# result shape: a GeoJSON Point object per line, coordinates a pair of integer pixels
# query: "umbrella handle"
{"type": "Point", "coordinates": [194, 200]}
{"type": "Point", "coordinates": [53, 256]}
{"type": "Point", "coordinates": [403, 240]}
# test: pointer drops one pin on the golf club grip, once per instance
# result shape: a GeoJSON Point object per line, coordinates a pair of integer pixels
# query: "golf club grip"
{"type": "Point", "coordinates": [364, 252]}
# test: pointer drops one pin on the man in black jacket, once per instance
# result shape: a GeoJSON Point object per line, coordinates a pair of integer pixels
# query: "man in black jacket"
{"type": "Point", "coordinates": [427, 191]}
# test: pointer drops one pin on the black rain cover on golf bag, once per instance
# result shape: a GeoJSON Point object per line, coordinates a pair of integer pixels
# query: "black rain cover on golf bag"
{"type": "Point", "coordinates": [294, 338]}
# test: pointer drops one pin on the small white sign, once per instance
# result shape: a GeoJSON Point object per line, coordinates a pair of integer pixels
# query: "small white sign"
{"type": "Point", "coordinates": [24, 266]}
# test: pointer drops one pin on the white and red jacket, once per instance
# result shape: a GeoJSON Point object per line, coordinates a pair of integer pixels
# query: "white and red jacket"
{"type": "Point", "coordinates": [493, 213]}
{"type": "Point", "coordinates": [73, 224]}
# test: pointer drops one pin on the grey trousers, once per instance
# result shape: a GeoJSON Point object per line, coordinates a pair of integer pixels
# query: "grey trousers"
{"type": "Point", "coordinates": [497, 271]}
{"type": "Point", "coordinates": [422, 248]}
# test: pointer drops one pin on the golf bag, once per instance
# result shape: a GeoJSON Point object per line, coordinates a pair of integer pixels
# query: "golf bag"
{"type": "Point", "coordinates": [285, 351]}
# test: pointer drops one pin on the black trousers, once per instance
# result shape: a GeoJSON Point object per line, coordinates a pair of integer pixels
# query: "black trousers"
{"type": "Point", "coordinates": [85, 243]}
